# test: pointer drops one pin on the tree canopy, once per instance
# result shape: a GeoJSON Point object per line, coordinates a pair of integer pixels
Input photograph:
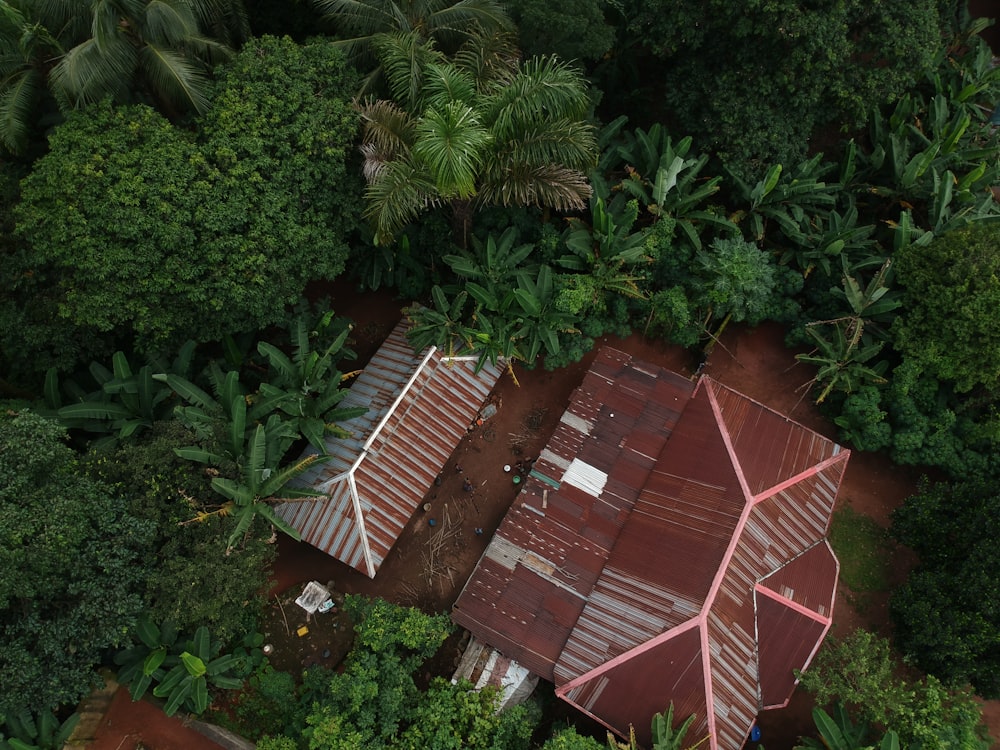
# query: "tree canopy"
{"type": "Point", "coordinates": [73, 562]}
{"type": "Point", "coordinates": [144, 231]}
{"type": "Point", "coordinates": [73, 54]}
{"type": "Point", "coordinates": [947, 326]}
{"type": "Point", "coordinates": [947, 614]}
{"type": "Point", "coordinates": [754, 80]}
{"type": "Point", "coordinates": [480, 128]}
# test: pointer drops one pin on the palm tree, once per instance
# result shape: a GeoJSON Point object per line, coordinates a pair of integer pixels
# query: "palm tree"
{"type": "Point", "coordinates": [32, 35]}
{"type": "Point", "coordinates": [477, 129]}
{"type": "Point", "coordinates": [78, 53]}
{"type": "Point", "coordinates": [448, 23]}
{"type": "Point", "coordinates": [157, 45]}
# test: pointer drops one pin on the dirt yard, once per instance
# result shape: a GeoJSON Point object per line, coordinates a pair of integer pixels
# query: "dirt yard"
{"type": "Point", "coordinates": [430, 563]}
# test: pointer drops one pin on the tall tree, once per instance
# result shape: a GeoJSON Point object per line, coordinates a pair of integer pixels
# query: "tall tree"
{"type": "Point", "coordinates": [476, 129]}
{"type": "Point", "coordinates": [448, 23]}
{"type": "Point", "coordinates": [947, 614]}
{"type": "Point", "coordinates": [753, 81]}
{"type": "Point", "coordinates": [158, 51]}
{"type": "Point", "coordinates": [952, 292]}
{"type": "Point", "coordinates": [72, 565]}
{"type": "Point", "coordinates": [139, 231]}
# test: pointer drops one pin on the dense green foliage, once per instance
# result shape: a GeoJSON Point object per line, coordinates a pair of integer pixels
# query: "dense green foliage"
{"type": "Point", "coordinates": [194, 582]}
{"type": "Point", "coordinates": [280, 139]}
{"type": "Point", "coordinates": [575, 30]}
{"type": "Point", "coordinates": [952, 289]}
{"type": "Point", "coordinates": [135, 233]}
{"type": "Point", "coordinates": [375, 702]}
{"type": "Point", "coordinates": [754, 81]}
{"type": "Point", "coordinates": [178, 670]}
{"type": "Point", "coordinates": [859, 672]}
{"type": "Point", "coordinates": [947, 614]}
{"type": "Point", "coordinates": [73, 562]}
{"type": "Point", "coordinates": [136, 229]}
{"type": "Point", "coordinates": [73, 54]}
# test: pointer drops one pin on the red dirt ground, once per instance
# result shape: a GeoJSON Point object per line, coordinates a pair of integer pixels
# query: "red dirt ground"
{"type": "Point", "coordinates": [131, 726]}
{"type": "Point", "coordinates": [752, 361]}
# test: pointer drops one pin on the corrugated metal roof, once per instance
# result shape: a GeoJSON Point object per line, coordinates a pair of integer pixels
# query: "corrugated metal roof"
{"type": "Point", "coordinates": [571, 530]}
{"type": "Point", "coordinates": [705, 543]}
{"type": "Point", "coordinates": [419, 404]}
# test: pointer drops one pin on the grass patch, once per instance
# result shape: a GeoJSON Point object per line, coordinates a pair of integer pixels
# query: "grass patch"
{"type": "Point", "coordinates": [864, 551]}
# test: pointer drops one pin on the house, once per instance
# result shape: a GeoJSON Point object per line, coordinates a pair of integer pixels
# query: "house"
{"type": "Point", "coordinates": [668, 546]}
{"type": "Point", "coordinates": [419, 406]}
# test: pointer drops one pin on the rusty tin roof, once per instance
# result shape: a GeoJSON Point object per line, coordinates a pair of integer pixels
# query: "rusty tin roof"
{"type": "Point", "coordinates": [420, 404]}
{"type": "Point", "coordinates": [669, 546]}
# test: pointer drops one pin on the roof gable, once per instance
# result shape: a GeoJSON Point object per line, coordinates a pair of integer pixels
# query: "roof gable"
{"type": "Point", "coordinates": [732, 503]}
{"type": "Point", "coordinates": [419, 405]}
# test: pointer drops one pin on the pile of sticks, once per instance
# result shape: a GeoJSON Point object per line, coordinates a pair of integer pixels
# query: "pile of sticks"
{"type": "Point", "coordinates": [435, 569]}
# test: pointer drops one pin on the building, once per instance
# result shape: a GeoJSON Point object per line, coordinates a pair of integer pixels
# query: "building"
{"type": "Point", "coordinates": [419, 406]}
{"type": "Point", "coordinates": [668, 546]}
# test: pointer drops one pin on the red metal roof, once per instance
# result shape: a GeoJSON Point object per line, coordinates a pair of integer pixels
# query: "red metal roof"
{"type": "Point", "coordinates": [668, 541]}
{"type": "Point", "coordinates": [420, 404]}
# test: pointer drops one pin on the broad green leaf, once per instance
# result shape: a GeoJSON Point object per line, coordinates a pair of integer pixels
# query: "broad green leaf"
{"type": "Point", "coordinates": [194, 665]}
{"type": "Point", "coordinates": [178, 695]}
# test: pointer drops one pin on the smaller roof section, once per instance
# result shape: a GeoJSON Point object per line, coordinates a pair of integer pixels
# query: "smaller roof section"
{"type": "Point", "coordinates": [419, 405]}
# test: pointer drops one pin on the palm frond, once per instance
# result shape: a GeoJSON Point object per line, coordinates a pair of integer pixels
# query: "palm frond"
{"type": "Point", "coordinates": [446, 83]}
{"type": "Point", "coordinates": [454, 21]}
{"type": "Point", "coordinates": [206, 49]}
{"type": "Point", "coordinates": [451, 141]}
{"type": "Point", "coordinates": [17, 102]}
{"type": "Point", "coordinates": [571, 143]}
{"type": "Point", "coordinates": [544, 88]}
{"type": "Point", "coordinates": [362, 18]}
{"type": "Point", "coordinates": [403, 57]}
{"type": "Point", "coordinates": [169, 22]}
{"type": "Point", "coordinates": [491, 59]}
{"type": "Point", "coordinates": [388, 131]}
{"type": "Point", "coordinates": [12, 18]}
{"type": "Point", "coordinates": [174, 77]}
{"type": "Point", "coordinates": [400, 192]}
{"type": "Point", "coordinates": [105, 24]}
{"type": "Point", "coordinates": [555, 186]}
{"type": "Point", "coordinates": [86, 74]}
{"type": "Point", "coordinates": [63, 18]}
{"type": "Point", "coordinates": [224, 20]}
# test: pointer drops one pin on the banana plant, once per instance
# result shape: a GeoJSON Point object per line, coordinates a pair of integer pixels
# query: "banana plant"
{"type": "Point", "coordinates": [186, 684]}
{"type": "Point", "coordinates": [222, 421]}
{"type": "Point", "coordinates": [306, 387]}
{"type": "Point", "coordinates": [607, 253]}
{"type": "Point", "coordinates": [263, 483]}
{"type": "Point", "coordinates": [838, 732]}
{"type": "Point", "coordinates": [125, 402]}
{"type": "Point", "coordinates": [664, 736]}
{"type": "Point", "coordinates": [494, 262]}
{"type": "Point", "coordinates": [663, 177]}
{"type": "Point", "coordinates": [791, 201]}
{"type": "Point", "coordinates": [146, 662]}
{"type": "Point", "coordinates": [828, 237]}
{"type": "Point", "coordinates": [180, 670]}
{"type": "Point", "coordinates": [43, 731]}
{"type": "Point", "coordinates": [843, 357]}
{"type": "Point", "coordinates": [542, 318]}
{"type": "Point", "coordinates": [442, 325]}
{"type": "Point", "coordinates": [873, 306]}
